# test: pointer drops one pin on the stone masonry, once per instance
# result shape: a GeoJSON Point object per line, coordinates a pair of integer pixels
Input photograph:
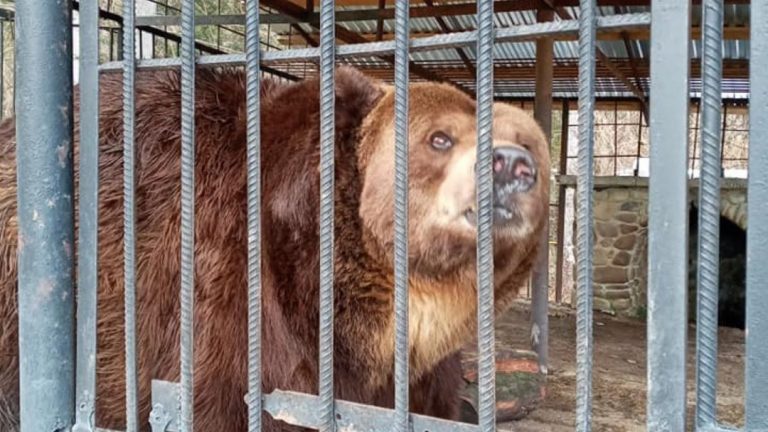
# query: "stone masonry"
{"type": "Point", "coordinates": [620, 229]}
{"type": "Point", "coordinates": [621, 237]}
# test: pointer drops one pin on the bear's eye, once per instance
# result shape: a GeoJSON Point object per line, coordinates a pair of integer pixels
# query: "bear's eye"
{"type": "Point", "coordinates": [441, 141]}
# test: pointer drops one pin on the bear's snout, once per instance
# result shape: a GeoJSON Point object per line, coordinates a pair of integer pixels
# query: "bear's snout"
{"type": "Point", "coordinates": [514, 170]}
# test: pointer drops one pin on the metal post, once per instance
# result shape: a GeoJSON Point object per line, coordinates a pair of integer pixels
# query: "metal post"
{"type": "Point", "coordinates": [485, 317]}
{"type": "Point", "coordinates": [252, 52]}
{"type": "Point", "coordinates": [584, 192]}
{"type": "Point", "coordinates": [709, 217]}
{"type": "Point", "coordinates": [401, 218]}
{"type": "Point", "coordinates": [44, 132]}
{"type": "Point", "coordinates": [2, 68]}
{"type": "Point", "coordinates": [187, 212]}
{"type": "Point", "coordinates": [14, 83]}
{"type": "Point", "coordinates": [129, 218]}
{"type": "Point", "coordinates": [327, 170]}
{"type": "Point", "coordinates": [668, 216]}
{"type": "Point", "coordinates": [757, 248]}
{"type": "Point", "coordinates": [561, 191]}
{"type": "Point", "coordinates": [87, 248]}
{"type": "Point", "coordinates": [543, 115]}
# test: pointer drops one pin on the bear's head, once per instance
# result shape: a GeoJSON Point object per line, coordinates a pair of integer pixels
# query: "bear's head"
{"type": "Point", "coordinates": [442, 187]}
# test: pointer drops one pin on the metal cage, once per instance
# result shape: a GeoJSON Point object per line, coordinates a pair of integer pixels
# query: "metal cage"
{"type": "Point", "coordinates": [57, 380]}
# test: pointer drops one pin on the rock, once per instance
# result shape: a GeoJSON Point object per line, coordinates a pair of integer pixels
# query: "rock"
{"type": "Point", "coordinates": [599, 258]}
{"type": "Point", "coordinates": [607, 274]}
{"type": "Point", "coordinates": [620, 294]}
{"type": "Point", "coordinates": [621, 259]}
{"type": "Point", "coordinates": [626, 229]}
{"type": "Point", "coordinates": [630, 206]}
{"type": "Point", "coordinates": [606, 230]}
{"type": "Point", "coordinates": [625, 242]}
{"type": "Point", "coordinates": [619, 195]}
{"type": "Point", "coordinates": [603, 211]}
{"type": "Point", "coordinates": [621, 304]}
{"type": "Point", "coordinates": [626, 217]}
{"type": "Point", "coordinates": [602, 305]}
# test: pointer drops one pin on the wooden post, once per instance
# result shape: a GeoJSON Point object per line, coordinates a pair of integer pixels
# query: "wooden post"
{"type": "Point", "coordinates": [543, 115]}
{"type": "Point", "coordinates": [561, 190]}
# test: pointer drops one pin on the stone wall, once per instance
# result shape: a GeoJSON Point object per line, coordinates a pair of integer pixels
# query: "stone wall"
{"type": "Point", "coordinates": [621, 226]}
{"type": "Point", "coordinates": [621, 237]}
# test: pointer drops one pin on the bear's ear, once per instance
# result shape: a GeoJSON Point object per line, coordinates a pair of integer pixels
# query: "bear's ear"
{"type": "Point", "coordinates": [356, 95]}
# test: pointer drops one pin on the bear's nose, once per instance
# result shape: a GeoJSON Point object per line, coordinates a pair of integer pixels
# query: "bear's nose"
{"type": "Point", "coordinates": [513, 169]}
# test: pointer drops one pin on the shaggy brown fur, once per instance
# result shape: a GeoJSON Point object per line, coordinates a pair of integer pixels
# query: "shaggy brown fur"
{"type": "Point", "coordinates": [442, 286]}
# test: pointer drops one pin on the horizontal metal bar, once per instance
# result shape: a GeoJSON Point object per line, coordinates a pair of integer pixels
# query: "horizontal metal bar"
{"type": "Point", "coordinates": [442, 41]}
{"type": "Point", "coordinates": [303, 409]}
{"type": "Point", "coordinates": [718, 428]}
{"type": "Point", "coordinates": [200, 20]}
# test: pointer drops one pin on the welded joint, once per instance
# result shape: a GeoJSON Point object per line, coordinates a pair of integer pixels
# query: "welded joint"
{"type": "Point", "coordinates": [166, 406]}
{"type": "Point", "coordinates": [302, 409]}
{"type": "Point", "coordinates": [85, 413]}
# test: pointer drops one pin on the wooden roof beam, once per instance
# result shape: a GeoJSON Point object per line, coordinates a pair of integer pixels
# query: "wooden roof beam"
{"type": "Point", "coordinates": [605, 60]}
{"type": "Point", "coordinates": [446, 29]}
{"type": "Point", "coordinates": [563, 70]}
{"type": "Point", "coordinates": [104, 14]}
{"type": "Point", "coordinates": [293, 10]}
{"type": "Point", "coordinates": [469, 8]}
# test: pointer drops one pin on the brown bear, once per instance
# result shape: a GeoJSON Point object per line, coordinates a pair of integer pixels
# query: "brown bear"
{"type": "Point", "coordinates": [442, 240]}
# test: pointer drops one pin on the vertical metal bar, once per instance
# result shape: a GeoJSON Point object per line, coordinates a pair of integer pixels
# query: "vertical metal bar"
{"type": "Point", "coordinates": [485, 316]}
{"type": "Point", "coordinates": [327, 170]}
{"type": "Point", "coordinates": [639, 144]}
{"type": "Point", "coordinates": [44, 132]}
{"type": "Point", "coordinates": [615, 138]}
{"type": "Point", "coordinates": [218, 28]}
{"type": "Point", "coordinates": [722, 137]}
{"type": "Point", "coordinates": [668, 216]}
{"type": "Point", "coordinates": [584, 192]}
{"type": "Point", "coordinates": [561, 203]}
{"type": "Point", "coordinates": [165, 29]}
{"type": "Point", "coordinates": [709, 216]}
{"type": "Point", "coordinates": [253, 76]}
{"type": "Point", "coordinates": [401, 216]}
{"type": "Point", "coordinates": [120, 37]}
{"type": "Point", "coordinates": [2, 68]}
{"type": "Point", "coordinates": [112, 44]}
{"type": "Point", "coordinates": [87, 249]}
{"type": "Point", "coordinates": [757, 247]}
{"type": "Point", "coordinates": [13, 84]}
{"type": "Point", "coordinates": [695, 137]}
{"type": "Point", "coordinates": [129, 191]}
{"type": "Point", "coordinates": [187, 209]}
{"type": "Point", "coordinates": [141, 43]}
{"type": "Point", "coordinates": [543, 115]}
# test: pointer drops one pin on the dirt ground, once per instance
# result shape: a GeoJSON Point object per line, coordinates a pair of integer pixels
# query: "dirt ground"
{"type": "Point", "coordinates": [619, 374]}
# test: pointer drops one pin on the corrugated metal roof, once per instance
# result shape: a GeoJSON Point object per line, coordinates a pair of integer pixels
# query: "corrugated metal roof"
{"type": "Point", "coordinates": [735, 15]}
